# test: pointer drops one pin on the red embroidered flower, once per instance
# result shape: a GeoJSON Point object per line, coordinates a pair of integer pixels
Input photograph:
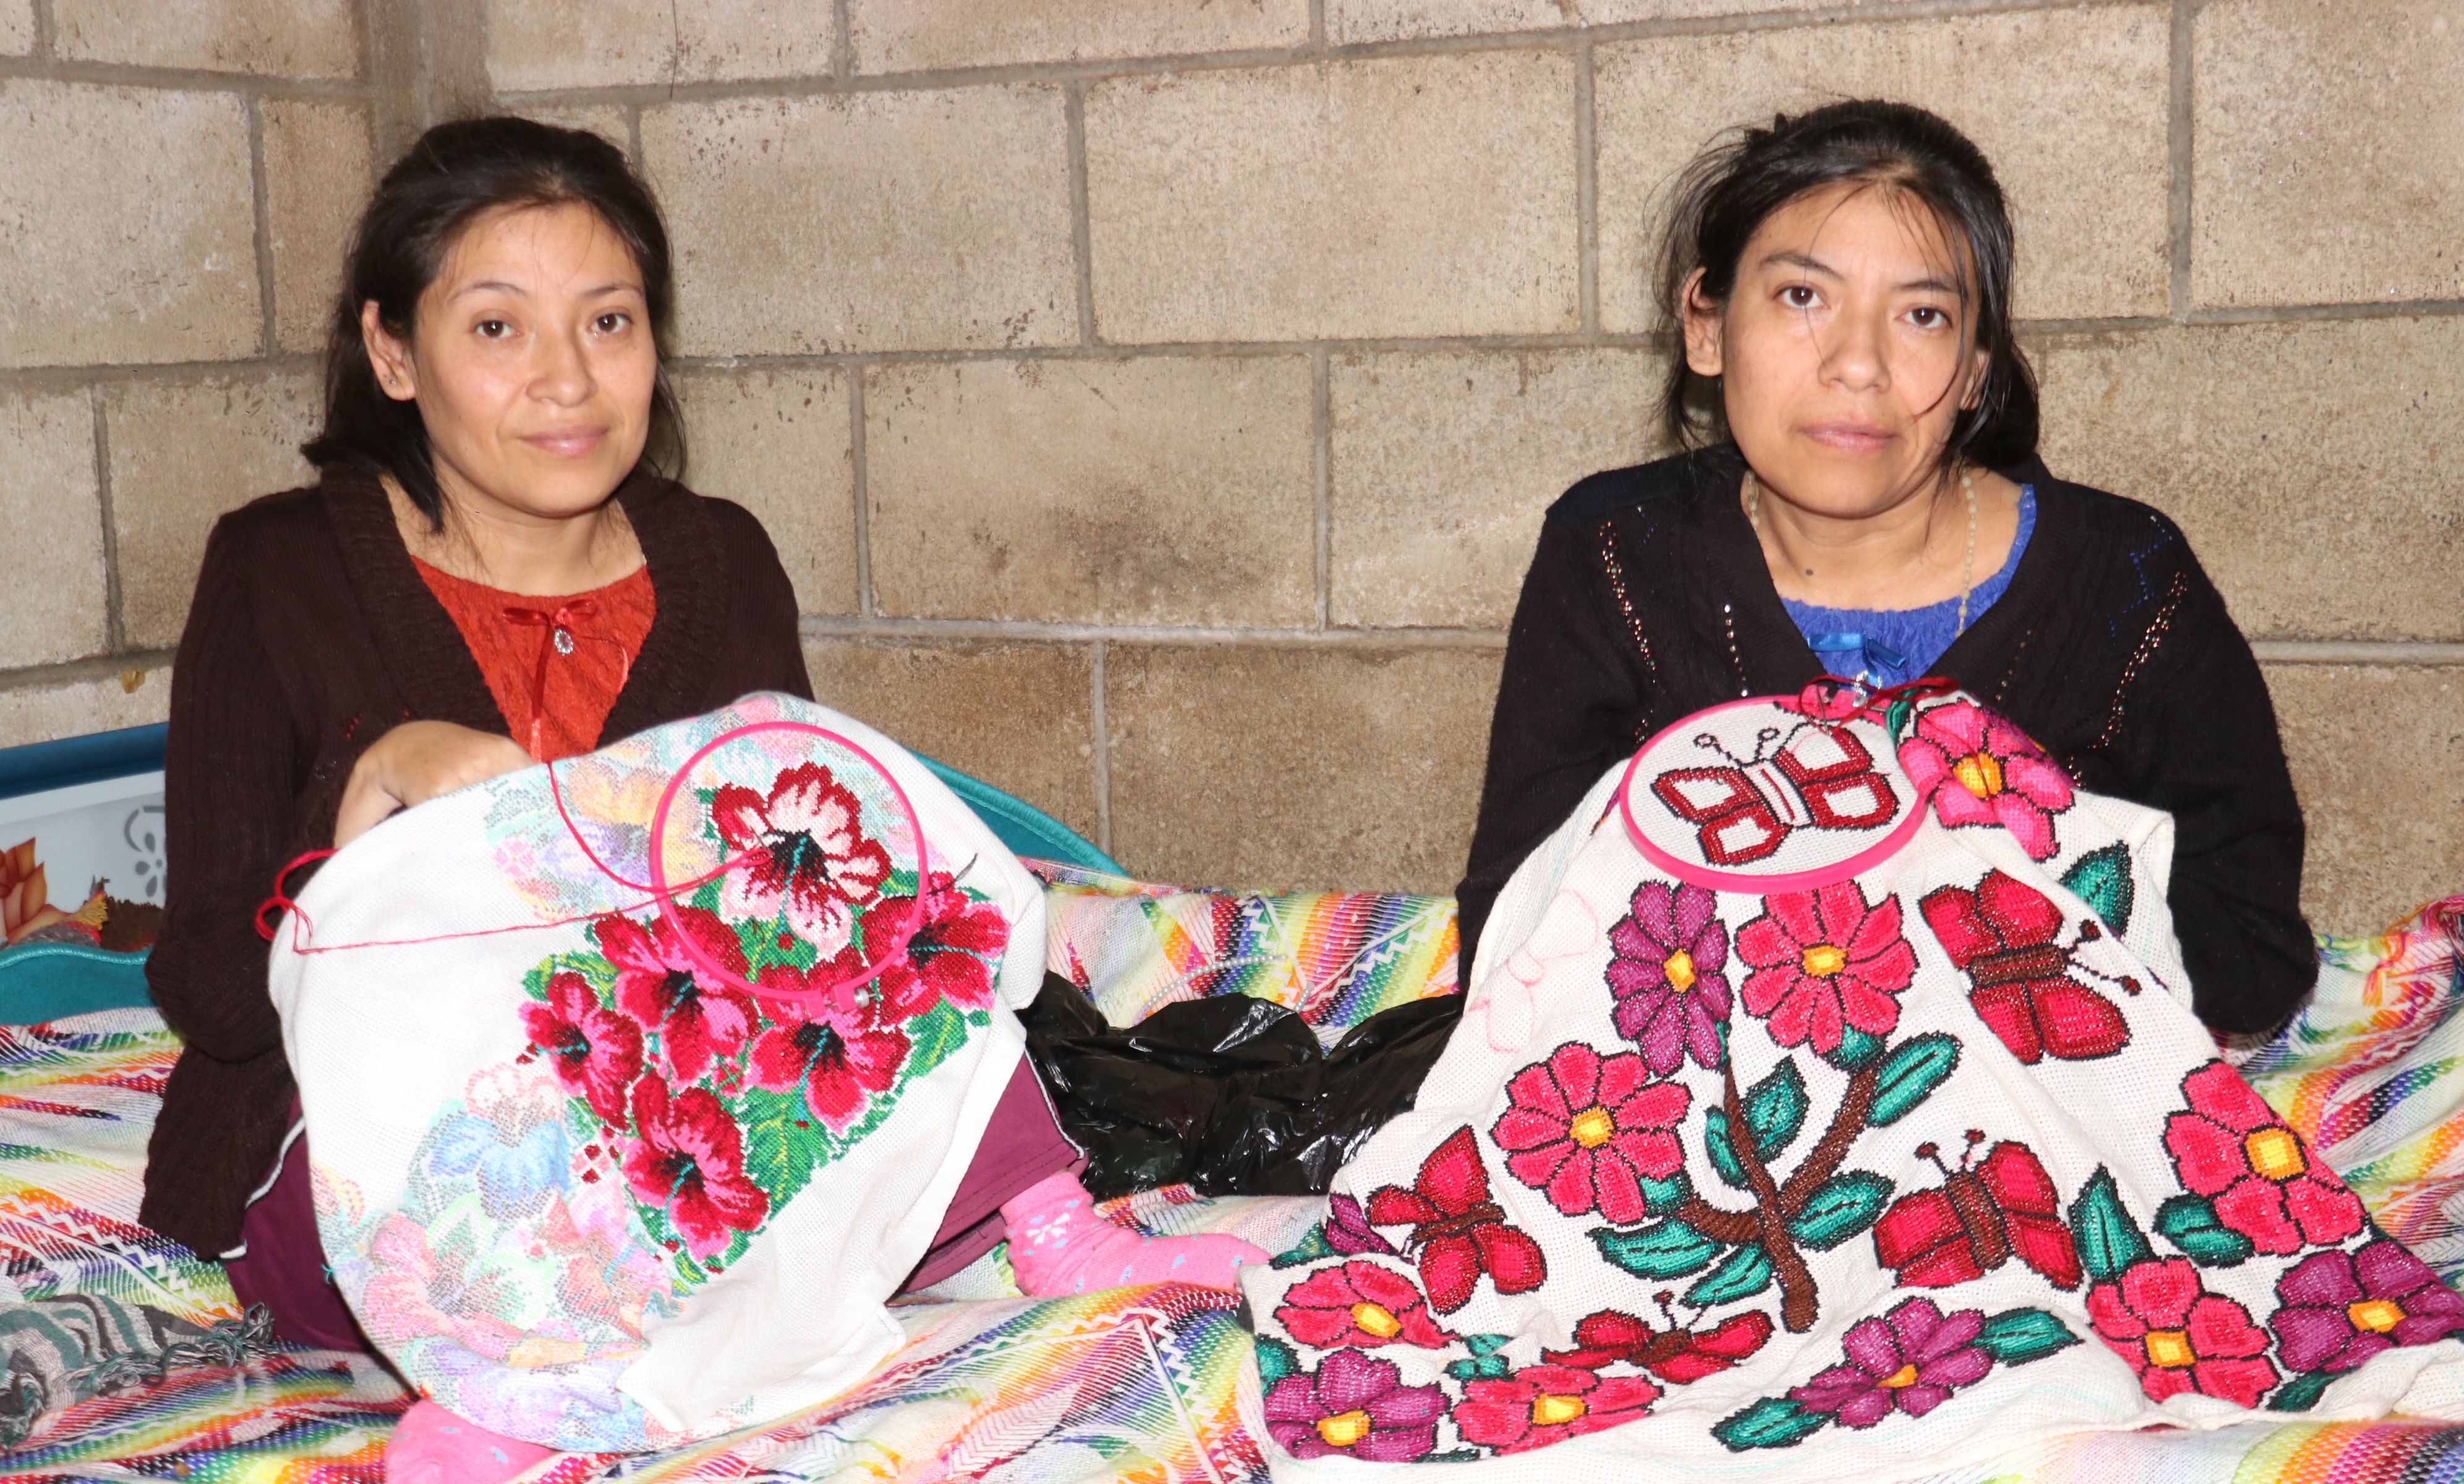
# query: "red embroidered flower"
{"type": "Point", "coordinates": [839, 1052]}
{"type": "Point", "coordinates": [2232, 1148]}
{"type": "Point", "coordinates": [1910, 1360]}
{"type": "Point", "coordinates": [655, 984]}
{"type": "Point", "coordinates": [955, 948]}
{"type": "Point", "coordinates": [1358, 1304]}
{"type": "Point", "coordinates": [807, 851]}
{"type": "Point", "coordinates": [1540, 1404]}
{"type": "Point", "coordinates": [1978, 769]}
{"type": "Point", "coordinates": [2179, 1336]}
{"type": "Point", "coordinates": [1675, 1354]}
{"type": "Point", "coordinates": [1825, 961]}
{"type": "Point", "coordinates": [1358, 1406]}
{"type": "Point", "coordinates": [2341, 1308]}
{"type": "Point", "coordinates": [597, 1052]}
{"type": "Point", "coordinates": [2002, 933]}
{"type": "Point", "coordinates": [690, 1160]}
{"type": "Point", "coordinates": [1672, 996]}
{"type": "Point", "coordinates": [1588, 1130]}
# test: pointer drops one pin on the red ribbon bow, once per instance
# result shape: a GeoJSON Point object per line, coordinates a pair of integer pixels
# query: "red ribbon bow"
{"type": "Point", "coordinates": [559, 624]}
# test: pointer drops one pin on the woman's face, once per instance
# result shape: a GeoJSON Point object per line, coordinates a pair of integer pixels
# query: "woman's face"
{"type": "Point", "coordinates": [532, 360]}
{"type": "Point", "coordinates": [1844, 351]}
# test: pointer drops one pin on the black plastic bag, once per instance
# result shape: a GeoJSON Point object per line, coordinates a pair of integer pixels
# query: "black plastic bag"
{"type": "Point", "coordinates": [1230, 1094]}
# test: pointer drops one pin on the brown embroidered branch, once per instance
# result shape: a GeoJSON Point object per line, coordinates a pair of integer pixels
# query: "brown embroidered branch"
{"type": "Point", "coordinates": [1798, 1304]}
{"type": "Point", "coordinates": [1845, 1125]}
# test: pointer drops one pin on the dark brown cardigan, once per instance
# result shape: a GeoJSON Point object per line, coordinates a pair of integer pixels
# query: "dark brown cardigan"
{"type": "Point", "coordinates": [310, 636]}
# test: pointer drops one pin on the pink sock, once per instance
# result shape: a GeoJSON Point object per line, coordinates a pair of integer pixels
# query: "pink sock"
{"type": "Point", "coordinates": [1059, 1246]}
{"type": "Point", "coordinates": [433, 1445]}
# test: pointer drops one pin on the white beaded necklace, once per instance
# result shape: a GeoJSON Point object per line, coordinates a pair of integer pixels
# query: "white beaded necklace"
{"type": "Point", "coordinates": [1967, 567]}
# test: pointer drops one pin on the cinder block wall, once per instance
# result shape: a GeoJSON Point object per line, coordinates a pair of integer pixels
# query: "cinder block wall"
{"type": "Point", "coordinates": [1155, 401]}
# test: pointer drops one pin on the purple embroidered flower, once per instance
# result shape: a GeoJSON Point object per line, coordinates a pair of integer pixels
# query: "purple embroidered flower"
{"type": "Point", "coordinates": [1911, 1359]}
{"type": "Point", "coordinates": [2339, 1309]}
{"type": "Point", "coordinates": [1347, 1230]}
{"type": "Point", "coordinates": [1356, 1406]}
{"type": "Point", "coordinates": [1672, 992]}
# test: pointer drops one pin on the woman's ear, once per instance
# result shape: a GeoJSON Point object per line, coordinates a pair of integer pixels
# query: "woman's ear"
{"type": "Point", "coordinates": [1701, 329]}
{"type": "Point", "coordinates": [389, 357]}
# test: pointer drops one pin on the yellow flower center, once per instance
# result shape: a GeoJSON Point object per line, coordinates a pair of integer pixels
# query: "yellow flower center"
{"type": "Point", "coordinates": [1593, 1127]}
{"type": "Point", "coordinates": [1981, 773]}
{"type": "Point", "coordinates": [1549, 1411]}
{"type": "Point", "coordinates": [1680, 968]}
{"type": "Point", "coordinates": [2169, 1348]}
{"type": "Point", "coordinates": [1374, 1319]}
{"type": "Point", "coordinates": [1905, 1376]}
{"type": "Point", "coordinates": [1343, 1429]}
{"type": "Point", "coordinates": [1822, 960]}
{"type": "Point", "coordinates": [2274, 1153]}
{"type": "Point", "coordinates": [2378, 1315]}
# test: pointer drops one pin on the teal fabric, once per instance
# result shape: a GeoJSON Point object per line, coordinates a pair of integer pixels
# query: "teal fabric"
{"type": "Point", "coordinates": [45, 981]}
{"type": "Point", "coordinates": [1027, 830]}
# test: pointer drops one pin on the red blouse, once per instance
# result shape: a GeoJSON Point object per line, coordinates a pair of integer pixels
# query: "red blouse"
{"type": "Point", "coordinates": [555, 664]}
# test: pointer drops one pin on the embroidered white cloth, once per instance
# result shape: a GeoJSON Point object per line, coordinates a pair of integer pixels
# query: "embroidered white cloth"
{"type": "Point", "coordinates": [1828, 1106]}
{"type": "Point", "coordinates": [634, 1086]}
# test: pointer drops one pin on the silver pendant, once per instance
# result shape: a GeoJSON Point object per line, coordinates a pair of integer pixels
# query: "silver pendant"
{"type": "Point", "coordinates": [563, 642]}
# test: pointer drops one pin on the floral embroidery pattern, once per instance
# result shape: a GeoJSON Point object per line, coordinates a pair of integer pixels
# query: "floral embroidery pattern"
{"type": "Point", "coordinates": [691, 1159]}
{"type": "Point", "coordinates": [1588, 1130]}
{"type": "Point", "coordinates": [1359, 1304]}
{"type": "Point", "coordinates": [2002, 933]}
{"type": "Point", "coordinates": [2340, 1308]}
{"type": "Point", "coordinates": [1540, 1404]}
{"type": "Point", "coordinates": [1357, 1405]}
{"type": "Point", "coordinates": [2260, 1177]}
{"type": "Point", "coordinates": [596, 1051]}
{"type": "Point", "coordinates": [1826, 962]}
{"type": "Point", "coordinates": [2179, 1336]}
{"type": "Point", "coordinates": [839, 1054]}
{"type": "Point", "coordinates": [1908, 1362]}
{"type": "Point", "coordinates": [803, 850]}
{"type": "Point", "coordinates": [1978, 769]}
{"type": "Point", "coordinates": [655, 985]}
{"type": "Point", "coordinates": [1668, 975]}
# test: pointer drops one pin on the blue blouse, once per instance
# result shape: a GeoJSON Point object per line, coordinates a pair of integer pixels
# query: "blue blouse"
{"type": "Point", "coordinates": [1885, 647]}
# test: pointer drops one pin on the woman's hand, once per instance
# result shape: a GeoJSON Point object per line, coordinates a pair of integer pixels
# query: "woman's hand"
{"type": "Point", "coordinates": [415, 762]}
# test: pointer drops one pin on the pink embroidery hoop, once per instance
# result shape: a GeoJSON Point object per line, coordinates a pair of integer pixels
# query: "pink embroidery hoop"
{"type": "Point", "coordinates": [840, 991]}
{"type": "Point", "coordinates": [1718, 880]}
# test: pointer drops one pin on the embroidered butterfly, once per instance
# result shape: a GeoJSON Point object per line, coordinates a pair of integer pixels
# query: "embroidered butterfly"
{"type": "Point", "coordinates": [1676, 1354]}
{"type": "Point", "coordinates": [1984, 1215]}
{"type": "Point", "coordinates": [1458, 1232]}
{"type": "Point", "coordinates": [2002, 934]}
{"type": "Point", "coordinates": [1821, 777]}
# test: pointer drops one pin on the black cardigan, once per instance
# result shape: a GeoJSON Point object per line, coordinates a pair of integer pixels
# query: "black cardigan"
{"type": "Point", "coordinates": [311, 636]}
{"type": "Point", "coordinates": [1649, 599]}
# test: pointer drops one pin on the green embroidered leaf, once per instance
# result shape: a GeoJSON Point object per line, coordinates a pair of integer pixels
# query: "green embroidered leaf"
{"type": "Point", "coordinates": [1486, 1363]}
{"type": "Point", "coordinates": [1276, 1359]}
{"type": "Point", "coordinates": [1776, 1108]}
{"type": "Point", "coordinates": [1843, 1206]}
{"type": "Point", "coordinates": [1910, 1074]}
{"type": "Point", "coordinates": [779, 1156]}
{"type": "Point", "coordinates": [937, 1033]}
{"type": "Point", "coordinates": [2108, 1239]}
{"type": "Point", "coordinates": [2190, 1223]}
{"type": "Point", "coordinates": [2015, 1336]}
{"type": "Point", "coordinates": [1311, 1246]}
{"type": "Point", "coordinates": [2102, 879]}
{"type": "Point", "coordinates": [1724, 1154]}
{"type": "Point", "coordinates": [1664, 1249]}
{"type": "Point", "coordinates": [1774, 1421]}
{"type": "Point", "coordinates": [1660, 1197]}
{"type": "Point", "coordinates": [2299, 1394]}
{"type": "Point", "coordinates": [1855, 1048]}
{"type": "Point", "coordinates": [1740, 1275]}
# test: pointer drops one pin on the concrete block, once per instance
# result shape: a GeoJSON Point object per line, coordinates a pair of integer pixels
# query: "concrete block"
{"type": "Point", "coordinates": [1154, 489]}
{"type": "Point", "coordinates": [876, 221]}
{"type": "Point", "coordinates": [138, 697]}
{"type": "Point", "coordinates": [1408, 196]}
{"type": "Point", "coordinates": [49, 504]}
{"type": "Point", "coordinates": [2078, 146]}
{"type": "Point", "coordinates": [16, 27]}
{"type": "Point", "coordinates": [1397, 20]}
{"type": "Point", "coordinates": [918, 35]}
{"type": "Point", "coordinates": [2378, 758]}
{"type": "Point", "coordinates": [539, 45]}
{"type": "Point", "coordinates": [2325, 152]}
{"type": "Point", "coordinates": [183, 452]}
{"type": "Point", "coordinates": [1298, 768]}
{"type": "Point", "coordinates": [1444, 461]}
{"type": "Point", "coordinates": [151, 260]}
{"type": "Point", "coordinates": [317, 175]}
{"type": "Point", "coordinates": [1018, 716]}
{"type": "Point", "coordinates": [287, 38]}
{"type": "Point", "coordinates": [2312, 463]}
{"type": "Point", "coordinates": [777, 442]}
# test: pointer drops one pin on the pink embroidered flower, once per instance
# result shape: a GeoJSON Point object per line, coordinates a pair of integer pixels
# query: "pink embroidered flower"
{"type": "Point", "coordinates": [690, 1159]}
{"type": "Point", "coordinates": [656, 984]}
{"type": "Point", "coordinates": [1540, 1404]}
{"type": "Point", "coordinates": [955, 948]}
{"type": "Point", "coordinates": [2232, 1148]}
{"type": "Point", "coordinates": [1347, 1230]}
{"type": "Point", "coordinates": [415, 1292]}
{"type": "Point", "coordinates": [1672, 996]}
{"type": "Point", "coordinates": [1357, 1405]}
{"type": "Point", "coordinates": [807, 851]}
{"type": "Point", "coordinates": [1358, 1304]}
{"type": "Point", "coordinates": [1588, 1130]}
{"type": "Point", "coordinates": [597, 1052]}
{"type": "Point", "coordinates": [1978, 769]}
{"type": "Point", "coordinates": [1823, 962]}
{"type": "Point", "coordinates": [838, 1051]}
{"type": "Point", "coordinates": [2339, 1309]}
{"type": "Point", "coordinates": [2179, 1336]}
{"type": "Point", "coordinates": [1910, 1360]}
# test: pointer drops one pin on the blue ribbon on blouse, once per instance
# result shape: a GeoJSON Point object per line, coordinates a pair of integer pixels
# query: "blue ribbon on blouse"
{"type": "Point", "coordinates": [1872, 657]}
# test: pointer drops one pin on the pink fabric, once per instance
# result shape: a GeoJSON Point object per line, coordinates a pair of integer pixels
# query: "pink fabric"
{"type": "Point", "coordinates": [285, 1266]}
{"type": "Point", "coordinates": [1022, 1145]}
